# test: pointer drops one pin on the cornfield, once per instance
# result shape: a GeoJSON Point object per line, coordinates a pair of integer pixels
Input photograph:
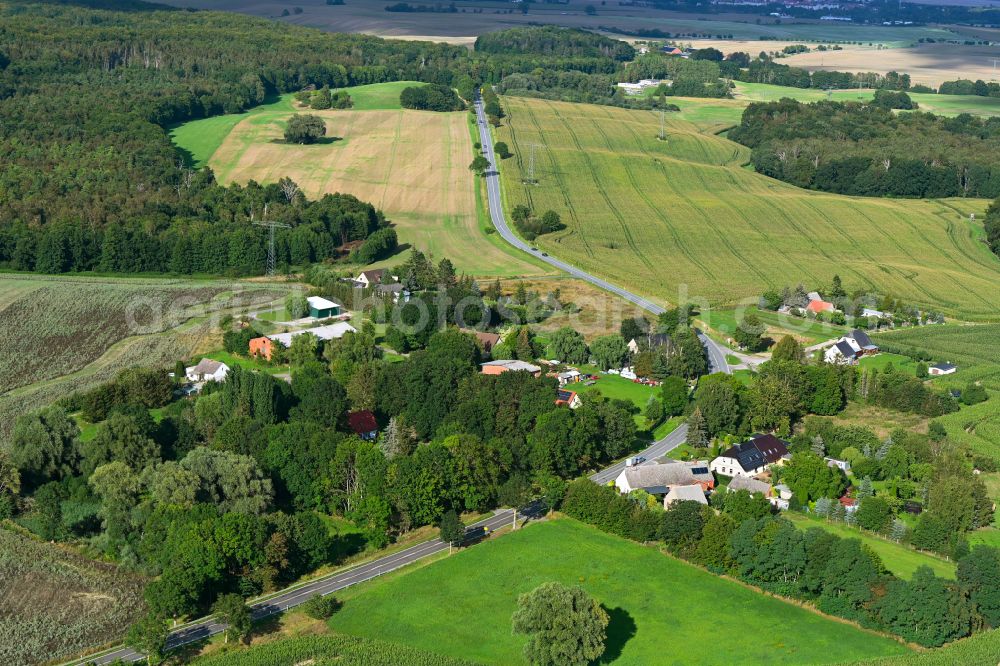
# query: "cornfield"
{"type": "Point", "coordinates": [331, 651]}
{"type": "Point", "coordinates": [54, 603]}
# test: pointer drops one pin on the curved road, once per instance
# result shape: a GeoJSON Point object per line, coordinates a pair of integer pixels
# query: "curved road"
{"type": "Point", "coordinates": [289, 598]}
{"type": "Point", "coordinates": [716, 354]}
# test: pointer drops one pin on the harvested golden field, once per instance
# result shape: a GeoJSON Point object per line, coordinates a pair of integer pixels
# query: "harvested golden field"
{"type": "Point", "coordinates": [411, 164]}
{"type": "Point", "coordinates": [684, 219]}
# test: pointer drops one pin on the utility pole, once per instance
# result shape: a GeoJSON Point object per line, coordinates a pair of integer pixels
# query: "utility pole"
{"type": "Point", "coordinates": [531, 163]}
{"type": "Point", "coordinates": [995, 68]}
{"type": "Point", "coordinates": [272, 263]}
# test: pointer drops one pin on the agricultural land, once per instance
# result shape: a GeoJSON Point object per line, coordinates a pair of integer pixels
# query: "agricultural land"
{"type": "Point", "coordinates": [56, 603]}
{"type": "Point", "coordinates": [63, 334]}
{"type": "Point", "coordinates": [461, 606]}
{"type": "Point", "coordinates": [976, 352]}
{"type": "Point", "coordinates": [413, 165]}
{"type": "Point", "coordinates": [683, 219]}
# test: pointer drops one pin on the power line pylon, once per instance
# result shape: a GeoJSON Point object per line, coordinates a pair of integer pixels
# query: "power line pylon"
{"type": "Point", "coordinates": [531, 163]}
{"type": "Point", "coordinates": [272, 263]}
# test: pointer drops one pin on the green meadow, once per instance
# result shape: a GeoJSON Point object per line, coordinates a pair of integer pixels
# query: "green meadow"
{"type": "Point", "coordinates": [663, 611]}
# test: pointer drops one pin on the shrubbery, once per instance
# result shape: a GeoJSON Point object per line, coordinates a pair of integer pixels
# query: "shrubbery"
{"type": "Point", "coordinates": [432, 97]}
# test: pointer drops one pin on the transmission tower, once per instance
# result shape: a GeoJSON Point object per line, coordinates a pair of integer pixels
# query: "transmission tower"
{"type": "Point", "coordinates": [272, 263]}
{"type": "Point", "coordinates": [995, 60]}
{"type": "Point", "coordinates": [663, 125]}
{"type": "Point", "coordinates": [531, 163]}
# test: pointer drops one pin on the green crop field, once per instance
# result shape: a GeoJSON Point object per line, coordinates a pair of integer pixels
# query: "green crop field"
{"type": "Point", "coordinates": [461, 606]}
{"type": "Point", "coordinates": [684, 220]}
{"type": "Point", "coordinates": [897, 558]}
{"type": "Point", "coordinates": [976, 352]}
{"type": "Point", "coordinates": [411, 164]}
{"type": "Point", "coordinates": [724, 321]}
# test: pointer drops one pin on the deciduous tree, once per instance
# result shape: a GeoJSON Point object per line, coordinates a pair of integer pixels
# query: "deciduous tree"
{"type": "Point", "coordinates": [565, 625]}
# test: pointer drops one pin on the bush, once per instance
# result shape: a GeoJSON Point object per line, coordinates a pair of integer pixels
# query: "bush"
{"type": "Point", "coordinates": [319, 607]}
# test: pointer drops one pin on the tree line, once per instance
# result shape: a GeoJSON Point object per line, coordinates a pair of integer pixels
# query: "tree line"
{"type": "Point", "coordinates": [865, 149]}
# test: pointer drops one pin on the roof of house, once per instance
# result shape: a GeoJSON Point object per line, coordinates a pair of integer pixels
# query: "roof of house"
{"type": "Point", "coordinates": [393, 288]}
{"type": "Point", "coordinates": [362, 422]}
{"type": "Point", "coordinates": [569, 374]}
{"type": "Point", "coordinates": [373, 275]}
{"type": "Point", "coordinates": [862, 339]}
{"type": "Point", "coordinates": [944, 366]}
{"type": "Point", "coordinates": [845, 349]}
{"type": "Point", "coordinates": [750, 485]}
{"type": "Point", "coordinates": [685, 493]}
{"type": "Point", "coordinates": [487, 340]}
{"type": "Point", "coordinates": [328, 332]}
{"type": "Point", "coordinates": [514, 365]}
{"type": "Point", "coordinates": [660, 476]}
{"type": "Point", "coordinates": [321, 303]}
{"type": "Point", "coordinates": [758, 451]}
{"type": "Point", "coordinates": [207, 366]}
{"type": "Point", "coordinates": [819, 306]}
{"type": "Point", "coordinates": [814, 296]}
{"type": "Point", "coordinates": [564, 396]}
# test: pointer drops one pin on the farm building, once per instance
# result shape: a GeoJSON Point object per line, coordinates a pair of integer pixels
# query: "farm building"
{"type": "Point", "coordinates": [939, 369]}
{"type": "Point", "coordinates": [329, 332]}
{"type": "Point", "coordinates": [363, 424]}
{"type": "Point", "coordinates": [684, 494]}
{"type": "Point", "coordinates": [658, 479]}
{"type": "Point", "coordinates": [500, 367]}
{"type": "Point", "coordinates": [321, 308]}
{"type": "Point", "coordinates": [261, 347]}
{"type": "Point", "coordinates": [820, 305]}
{"type": "Point", "coordinates": [751, 457]}
{"type": "Point", "coordinates": [207, 370]}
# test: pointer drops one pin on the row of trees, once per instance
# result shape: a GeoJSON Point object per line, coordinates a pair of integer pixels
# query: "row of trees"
{"type": "Point", "coordinates": [840, 576]}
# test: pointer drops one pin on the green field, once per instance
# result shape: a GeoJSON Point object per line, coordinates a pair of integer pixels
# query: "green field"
{"type": "Point", "coordinates": [724, 321]}
{"type": "Point", "coordinates": [881, 360]}
{"type": "Point", "coordinates": [683, 219]}
{"type": "Point", "coordinates": [980, 650]}
{"type": "Point", "coordinates": [976, 352]}
{"type": "Point", "coordinates": [461, 606]}
{"type": "Point", "coordinates": [897, 558]}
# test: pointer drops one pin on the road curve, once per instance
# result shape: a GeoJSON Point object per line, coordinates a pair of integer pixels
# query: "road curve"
{"type": "Point", "coordinates": [290, 598]}
{"type": "Point", "coordinates": [716, 355]}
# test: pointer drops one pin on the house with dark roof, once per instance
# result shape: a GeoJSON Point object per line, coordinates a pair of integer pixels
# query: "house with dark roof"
{"type": "Point", "coordinates": [850, 348]}
{"type": "Point", "coordinates": [751, 457]}
{"type": "Point", "coordinates": [651, 341]}
{"type": "Point", "coordinates": [942, 369]}
{"type": "Point", "coordinates": [568, 398]}
{"type": "Point", "coordinates": [363, 424]}
{"type": "Point", "coordinates": [487, 341]}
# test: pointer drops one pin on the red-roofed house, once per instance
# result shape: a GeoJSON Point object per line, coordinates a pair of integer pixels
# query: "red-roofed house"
{"type": "Point", "coordinates": [363, 423]}
{"type": "Point", "coordinates": [818, 306]}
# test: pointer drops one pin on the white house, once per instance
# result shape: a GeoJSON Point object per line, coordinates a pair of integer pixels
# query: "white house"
{"type": "Point", "coordinates": [658, 479]}
{"type": "Point", "coordinates": [684, 493]}
{"type": "Point", "coordinates": [328, 332]}
{"type": "Point", "coordinates": [207, 370]}
{"type": "Point", "coordinates": [372, 277]}
{"type": "Point", "coordinates": [942, 369]}
{"type": "Point", "coordinates": [851, 347]}
{"type": "Point", "coordinates": [842, 465]}
{"type": "Point", "coordinates": [750, 458]}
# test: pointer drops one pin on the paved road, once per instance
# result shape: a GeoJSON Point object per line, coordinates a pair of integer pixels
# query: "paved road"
{"type": "Point", "coordinates": [657, 449]}
{"type": "Point", "coordinates": [205, 628]}
{"type": "Point", "coordinates": [281, 602]}
{"type": "Point", "coordinates": [716, 354]}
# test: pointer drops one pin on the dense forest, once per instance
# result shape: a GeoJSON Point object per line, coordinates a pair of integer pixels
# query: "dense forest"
{"type": "Point", "coordinates": [866, 149]}
{"type": "Point", "coordinates": [91, 180]}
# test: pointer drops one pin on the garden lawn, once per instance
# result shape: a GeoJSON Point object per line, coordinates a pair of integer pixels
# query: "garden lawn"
{"type": "Point", "coordinates": [897, 558]}
{"type": "Point", "coordinates": [899, 362]}
{"type": "Point", "coordinates": [663, 611]}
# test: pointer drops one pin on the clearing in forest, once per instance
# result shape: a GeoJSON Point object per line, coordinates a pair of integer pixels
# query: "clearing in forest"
{"type": "Point", "coordinates": [414, 165]}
